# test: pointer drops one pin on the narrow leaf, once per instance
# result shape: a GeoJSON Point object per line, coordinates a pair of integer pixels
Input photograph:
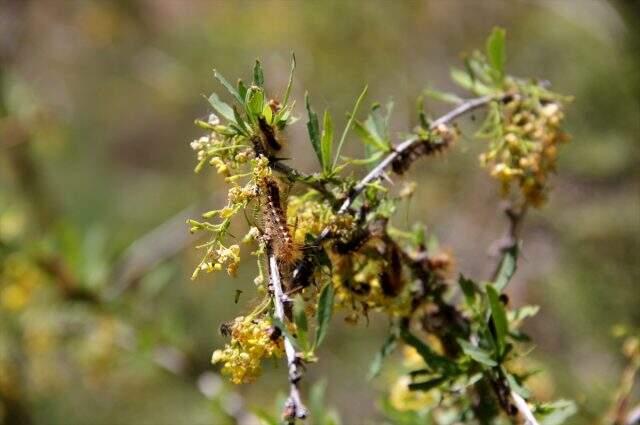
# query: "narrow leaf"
{"type": "Point", "coordinates": [431, 358]}
{"type": "Point", "coordinates": [238, 119]}
{"type": "Point", "coordinates": [443, 96]}
{"type": "Point", "coordinates": [368, 137]}
{"type": "Point", "coordinates": [499, 317]}
{"type": "Point", "coordinates": [222, 108]}
{"type": "Point", "coordinates": [468, 289]}
{"type": "Point", "coordinates": [258, 75]}
{"type": "Point", "coordinates": [389, 345]}
{"type": "Point", "coordinates": [242, 89]}
{"type": "Point", "coordinates": [228, 86]}
{"type": "Point", "coordinates": [348, 126]}
{"type": "Point", "coordinates": [465, 81]}
{"type": "Point", "coordinates": [290, 83]}
{"type": "Point", "coordinates": [326, 143]}
{"type": "Point", "coordinates": [476, 353]}
{"type": "Point", "coordinates": [496, 52]}
{"type": "Point", "coordinates": [508, 267]}
{"type": "Point", "coordinates": [325, 310]}
{"type": "Point", "coordinates": [427, 385]}
{"type": "Point", "coordinates": [314, 129]}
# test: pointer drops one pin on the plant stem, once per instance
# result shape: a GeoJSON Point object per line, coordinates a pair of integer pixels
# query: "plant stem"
{"type": "Point", "coordinates": [293, 408]}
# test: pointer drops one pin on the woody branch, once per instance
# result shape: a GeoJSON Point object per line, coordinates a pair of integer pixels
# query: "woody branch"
{"type": "Point", "coordinates": [294, 408]}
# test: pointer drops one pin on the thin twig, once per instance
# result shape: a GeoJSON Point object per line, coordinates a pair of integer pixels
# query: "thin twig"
{"type": "Point", "coordinates": [464, 108]}
{"type": "Point", "coordinates": [294, 408]}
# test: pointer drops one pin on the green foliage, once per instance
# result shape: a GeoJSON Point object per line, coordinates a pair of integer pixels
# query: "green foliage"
{"type": "Point", "coordinates": [325, 311]}
{"type": "Point", "coordinates": [354, 259]}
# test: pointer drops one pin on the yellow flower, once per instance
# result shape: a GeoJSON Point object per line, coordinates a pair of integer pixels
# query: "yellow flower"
{"type": "Point", "coordinates": [251, 341]}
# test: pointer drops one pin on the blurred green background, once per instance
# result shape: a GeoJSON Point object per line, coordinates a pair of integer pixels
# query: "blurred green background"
{"type": "Point", "coordinates": [97, 102]}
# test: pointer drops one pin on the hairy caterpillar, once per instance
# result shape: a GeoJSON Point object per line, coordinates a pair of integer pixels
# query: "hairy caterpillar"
{"type": "Point", "coordinates": [391, 280]}
{"type": "Point", "coordinates": [276, 229]}
{"type": "Point", "coordinates": [441, 138]}
{"type": "Point", "coordinates": [360, 237]}
{"type": "Point", "coordinates": [269, 135]}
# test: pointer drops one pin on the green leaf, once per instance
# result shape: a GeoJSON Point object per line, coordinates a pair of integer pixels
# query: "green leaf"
{"type": "Point", "coordinates": [258, 75]}
{"type": "Point", "coordinates": [255, 100]}
{"type": "Point", "coordinates": [302, 326]}
{"type": "Point", "coordinates": [314, 129]}
{"type": "Point", "coordinates": [242, 89]}
{"type": "Point", "coordinates": [325, 310]}
{"type": "Point", "coordinates": [496, 52]}
{"type": "Point", "coordinates": [516, 386]}
{"type": "Point", "coordinates": [508, 267]}
{"type": "Point", "coordinates": [443, 96]}
{"type": "Point", "coordinates": [422, 114]}
{"type": "Point", "coordinates": [369, 138]}
{"type": "Point", "coordinates": [499, 317]}
{"type": "Point", "coordinates": [287, 92]}
{"type": "Point", "coordinates": [228, 86]}
{"type": "Point", "coordinates": [477, 353]}
{"type": "Point", "coordinates": [555, 413]}
{"type": "Point", "coordinates": [465, 81]}
{"type": "Point", "coordinates": [326, 142]}
{"type": "Point", "coordinates": [348, 126]}
{"type": "Point", "coordinates": [431, 358]}
{"type": "Point", "coordinates": [222, 108]}
{"type": "Point", "coordinates": [238, 119]}
{"type": "Point", "coordinates": [468, 289]}
{"type": "Point", "coordinates": [427, 385]}
{"type": "Point", "coordinates": [389, 345]}
{"type": "Point", "coordinates": [419, 234]}
{"type": "Point", "coordinates": [371, 159]}
{"type": "Point", "coordinates": [267, 113]}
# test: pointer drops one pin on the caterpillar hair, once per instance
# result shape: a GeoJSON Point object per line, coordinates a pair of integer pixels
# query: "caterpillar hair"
{"type": "Point", "coordinates": [275, 226]}
{"type": "Point", "coordinates": [269, 135]}
{"type": "Point", "coordinates": [439, 140]}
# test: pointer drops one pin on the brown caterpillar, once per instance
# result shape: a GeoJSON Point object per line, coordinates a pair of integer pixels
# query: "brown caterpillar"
{"type": "Point", "coordinates": [360, 237]}
{"type": "Point", "coordinates": [276, 229]}
{"type": "Point", "coordinates": [269, 138]}
{"type": "Point", "coordinates": [441, 138]}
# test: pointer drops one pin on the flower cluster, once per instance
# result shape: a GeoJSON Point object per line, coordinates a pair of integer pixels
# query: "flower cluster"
{"type": "Point", "coordinates": [216, 258]}
{"type": "Point", "coordinates": [220, 148]}
{"type": "Point", "coordinates": [309, 215]}
{"type": "Point", "coordinates": [525, 151]}
{"type": "Point", "coordinates": [252, 339]}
